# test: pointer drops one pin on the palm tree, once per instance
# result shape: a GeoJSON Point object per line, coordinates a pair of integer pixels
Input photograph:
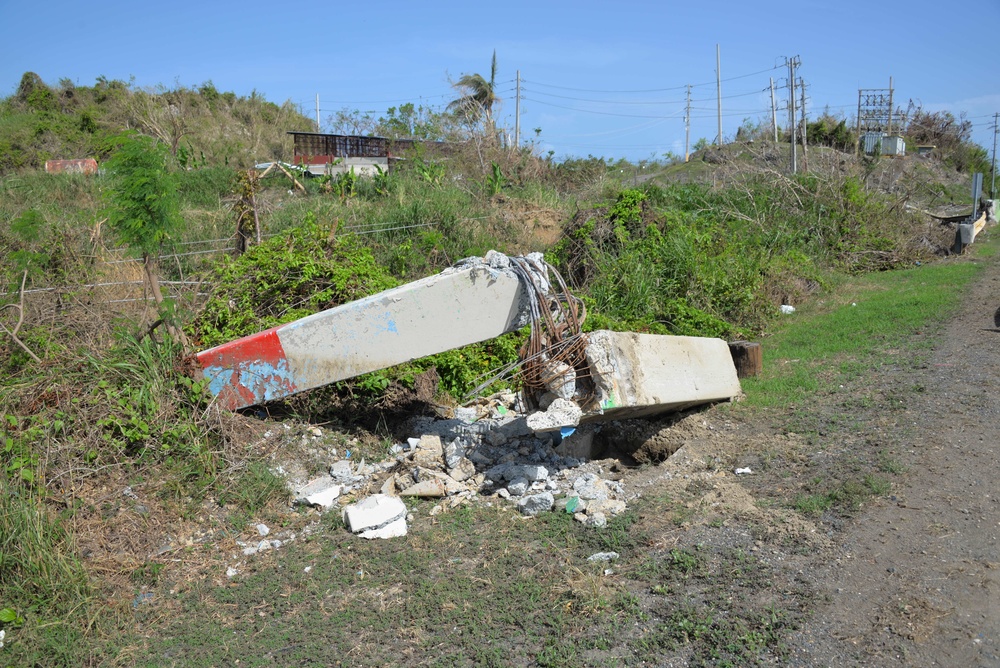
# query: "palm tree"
{"type": "Point", "coordinates": [478, 96]}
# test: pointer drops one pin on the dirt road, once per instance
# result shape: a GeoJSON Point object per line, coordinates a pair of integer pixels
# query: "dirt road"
{"type": "Point", "coordinates": [915, 580]}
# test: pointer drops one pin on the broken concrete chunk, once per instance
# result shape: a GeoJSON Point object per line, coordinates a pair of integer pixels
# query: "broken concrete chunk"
{"type": "Point", "coordinates": [595, 520]}
{"type": "Point", "coordinates": [429, 452]}
{"type": "Point", "coordinates": [517, 486]}
{"type": "Point", "coordinates": [636, 375]}
{"type": "Point", "coordinates": [454, 451]}
{"type": "Point", "coordinates": [463, 470]}
{"type": "Point", "coordinates": [377, 516]}
{"type": "Point", "coordinates": [603, 556]}
{"type": "Point", "coordinates": [536, 503]}
{"type": "Point", "coordinates": [389, 486]}
{"type": "Point", "coordinates": [428, 488]}
{"type": "Point", "coordinates": [343, 472]}
{"type": "Point", "coordinates": [561, 413]}
{"type": "Point", "coordinates": [534, 472]}
{"type": "Point", "coordinates": [321, 492]}
{"type": "Point", "coordinates": [560, 379]}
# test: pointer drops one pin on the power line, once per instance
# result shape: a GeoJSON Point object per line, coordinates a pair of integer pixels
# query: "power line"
{"type": "Point", "coordinates": [653, 90]}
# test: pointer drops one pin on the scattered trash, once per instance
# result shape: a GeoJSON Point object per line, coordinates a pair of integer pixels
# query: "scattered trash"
{"type": "Point", "coordinates": [231, 572]}
{"type": "Point", "coordinates": [743, 471]}
{"type": "Point", "coordinates": [786, 309]}
{"type": "Point", "coordinates": [143, 598]}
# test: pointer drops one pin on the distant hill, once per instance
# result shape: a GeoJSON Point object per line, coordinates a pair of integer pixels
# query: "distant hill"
{"type": "Point", "coordinates": [202, 126]}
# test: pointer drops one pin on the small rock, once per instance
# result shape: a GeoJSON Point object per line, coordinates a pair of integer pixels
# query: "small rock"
{"type": "Point", "coordinates": [603, 556]}
{"type": "Point", "coordinates": [518, 486]}
{"type": "Point", "coordinates": [231, 572]}
{"type": "Point", "coordinates": [436, 510]}
{"type": "Point", "coordinates": [263, 529]}
{"type": "Point", "coordinates": [316, 431]}
{"type": "Point", "coordinates": [596, 520]}
{"type": "Point", "coordinates": [536, 503]}
{"type": "Point", "coordinates": [743, 471]}
{"type": "Point", "coordinates": [503, 493]}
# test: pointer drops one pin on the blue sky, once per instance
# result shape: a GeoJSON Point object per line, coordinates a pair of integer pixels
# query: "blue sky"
{"type": "Point", "coordinates": [580, 62]}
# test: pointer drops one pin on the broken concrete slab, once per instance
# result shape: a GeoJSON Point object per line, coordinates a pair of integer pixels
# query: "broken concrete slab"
{"type": "Point", "coordinates": [321, 492]}
{"type": "Point", "coordinates": [377, 516]}
{"type": "Point", "coordinates": [638, 375]}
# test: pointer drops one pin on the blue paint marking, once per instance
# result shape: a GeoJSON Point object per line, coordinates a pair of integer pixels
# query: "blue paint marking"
{"type": "Point", "coordinates": [266, 381]}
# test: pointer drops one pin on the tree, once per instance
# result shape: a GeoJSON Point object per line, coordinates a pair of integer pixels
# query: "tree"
{"type": "Point", "coordinates": [478, 96]}
{"type": "Point", "coordinates": [143, 208]}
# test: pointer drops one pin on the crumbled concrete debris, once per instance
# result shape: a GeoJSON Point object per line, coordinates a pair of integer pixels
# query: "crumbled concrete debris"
{"type": "Point", "coordinates": [263, 529]}
{"type": "Point", "coordinates": [560, 413]}
{"type": "Point", "coordinates": [603, 556]}
{"type": "Point", "coordinates": [595, 520]}
{"type": "Point", "coordinates": [231, 572]}
{"type": "Point", "coordinates": [377, 516]}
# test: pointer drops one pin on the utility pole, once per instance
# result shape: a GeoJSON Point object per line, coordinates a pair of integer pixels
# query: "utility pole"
{"type": "Point", "coordinates": [993, 163]}
{"type": "Point", "coordinates": [805, 127]}
{"type": "Point", "coordinates": [687, 126]}
{"type": "Point", "coordinates": [774, 114]}
{"type": "Point", "coordinates": [888, 127]}
{"type": "Point", "coordinates": [792, 64]}
{"type": "Point", "coordinates": [858, 148]}
{"type": "Point", "coordinates": [718, 84]}
{"type": "Point", "coordinates": [517, 114]}
{"type": "Point", "coordinates": [317, 112]}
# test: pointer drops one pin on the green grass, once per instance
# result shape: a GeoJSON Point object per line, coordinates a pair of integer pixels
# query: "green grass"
{"type": "Point", "coordinates": [848, 334]}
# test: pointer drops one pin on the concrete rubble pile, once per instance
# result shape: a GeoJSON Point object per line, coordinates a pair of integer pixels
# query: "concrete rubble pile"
{"type": "Point", "coordinates": [496, 458]}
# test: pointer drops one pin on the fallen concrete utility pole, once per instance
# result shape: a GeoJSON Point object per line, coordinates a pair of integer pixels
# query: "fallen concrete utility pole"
{"type": "Point", "coordinates": [625, 374]}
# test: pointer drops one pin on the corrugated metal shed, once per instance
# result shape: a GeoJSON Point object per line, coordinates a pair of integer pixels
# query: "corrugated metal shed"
{"type": "Point", "coordinates": [871, 142]}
